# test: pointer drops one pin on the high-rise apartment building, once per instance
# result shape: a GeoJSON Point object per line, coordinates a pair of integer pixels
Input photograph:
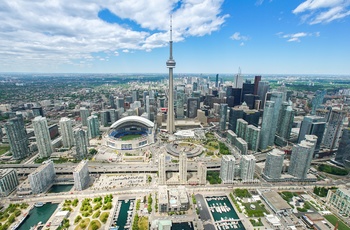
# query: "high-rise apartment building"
{"type": "Point", "coordinates": [93, 127]}
{"type": "Point", "coordinates": [113, 115]}
{"type": "Point", "coordinates": [223, 116]}
{"type": "Point", "coordinates": [252, 137]}
{"type": "Point", "coordinates": [8, 181]}
{"type": "Point", "coordinates": [81, 143]}
{"type": "Point", "coordinates": [84, 114]}
{"type": "Point", "coordinates": [334, 128]}
{"type": "Point", "coordinates": [180, 102]}
{"type": "Point", "coordinates": [266, 127]}
{"type": "Point", "coordinates": [343, 154]}
{"type": "Point", "coordinates": [17, 137]}
{"type": "Point", "coordinates": [241, 129]}
{"type": "Point", "coordinates": [301, 157]}
{"type": "Point", "coordinates": [276, 97]}
{"type": "Point", "coordinates": [247, 167]}
{"type": "Point", "coordinates": [312, 125]}
{"type": "Point", "coordinates": [42, 178]}
{"type": "Point", "coordinates": [42, 137]}
{"type": "Point", "coordinates": [104, 118]}
{"type": "Point", "coordinates": [285, 121]}
{"type": "Point", "coordinates": [183, 168]}
{"type": "Point", "coordinates": [273, 164]}
{"type": "Point", "coordinates": [227, 169]}
{"type": "Point", "coordinates": [81, 176]}
{"type": "Point", "coordinates": [67, 132]}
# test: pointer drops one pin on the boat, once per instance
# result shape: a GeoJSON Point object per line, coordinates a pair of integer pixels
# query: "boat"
{"type": "Point", "coordinates": [39, 204]}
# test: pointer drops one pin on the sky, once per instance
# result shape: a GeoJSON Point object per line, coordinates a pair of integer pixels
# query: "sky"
{"type": "Point", "coordinates": [210, 36]}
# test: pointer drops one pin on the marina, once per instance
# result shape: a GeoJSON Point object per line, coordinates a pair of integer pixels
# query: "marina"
{"type": "Point", "coordinates": [123, 216]}
{"type": "Point", "coordinates": [225, 217]}
{"type": "Point", "coordinates": [37, 215]}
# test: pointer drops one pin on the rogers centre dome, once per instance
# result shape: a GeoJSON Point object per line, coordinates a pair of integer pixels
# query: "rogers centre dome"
{"type": "Point", "coordinates": [130, 132]}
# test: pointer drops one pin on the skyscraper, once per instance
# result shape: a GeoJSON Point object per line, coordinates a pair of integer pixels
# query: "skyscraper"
{"type": "Point", "coordinates": [84, 114]}
{"type": "Point", "coordinates": [161, 168]}
{"type": "Point", "coordinates": [263, 87]}
{"type": "Point", "coordinates": [171, 65]}
{"type": "Point", "coordinates": [273, 164]}
{"type": "Point", "coordinates": [81, 143]}
{"type": "Point", "coordinates": [252, 137]}
{"type": "Point", "coordinates": [112, 101]}
{"type": "Point", "coordinates": [241, 128]}
{"type": "Point", "coordinates": [104, 118]}
{"type": "Point", "coordinates": [217, 81]}
{"type": "Point", "coordinates": [17, 137]}
{"type": "Point", "coordinates": [42, 136]}
{"type": "Point", "coordinates": [301, 157]}
{"type": "Point", "coordinates": [285, 121]}
{"type": "Point", "coordinates": [81, 176]}
{"type": "Point", "coordinates": [223, 116]}
{"type": "Point", "coordinates": [266, 127]}
{"type": "Point", "coordinates": [93, 126]}
{"type": "Point", "coordinates": [180, 101]}
{"type": "Point", "coordinates": [202, 173]}
{"type": "Point", "coordinates": [247, 166]}
{"type": "Point", "coordinates": [277, 97]}
{"type": "Point", "coordinates": [312, 125]}
{"type": "Point", "coordinates": [183, 168]}
{"type": "Point", "coordinates": [257, 79]}
{"type": "Point", "coordinates": [343, 154]}
{"type": "Point", "coordinates": [227, 169]}
{"type": "Point", "coordinates": [192, 107]}
{"type": "Point", "coordinates": [234, 115]}
{"type": "Point", "coordinates": [113, 114]}
{"type": "Point", "coordinates": [66, 132]}
{"type": "Point", "coordinates": [317, 100]}
{"type": "Point", "coordinates": [334, 128]}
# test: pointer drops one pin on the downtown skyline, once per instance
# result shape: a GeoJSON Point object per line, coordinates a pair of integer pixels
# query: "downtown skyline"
{"type": "Point", "coordinates": [210, 36]}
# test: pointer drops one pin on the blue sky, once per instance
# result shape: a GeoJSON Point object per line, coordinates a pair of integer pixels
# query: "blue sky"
{"type": "Point", "coordinates": [210, 36]}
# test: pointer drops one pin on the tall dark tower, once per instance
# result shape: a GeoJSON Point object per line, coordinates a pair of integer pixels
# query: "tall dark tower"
{"type": "Point", "coordinates": [171, 65]}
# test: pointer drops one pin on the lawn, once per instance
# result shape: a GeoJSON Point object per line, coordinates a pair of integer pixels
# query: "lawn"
{"type": "Point", "coordinates": [333, 220]}
{"type": "Point", "coordinates": [130, 137]}
{"type": "Point", "coordinates": [257, 212]}
{"type": "Point", "coordinates": [4, 149]}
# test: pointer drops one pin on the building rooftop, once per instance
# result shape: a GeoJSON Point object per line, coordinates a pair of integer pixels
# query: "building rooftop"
{"type": "Point", "coordinates": [80, 165]}
{"type": "Point", "coordinates": [276, 200]}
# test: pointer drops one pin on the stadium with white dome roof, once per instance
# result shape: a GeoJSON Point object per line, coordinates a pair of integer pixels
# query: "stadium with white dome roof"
{"type": "Point", "coordinates": [130, 132]}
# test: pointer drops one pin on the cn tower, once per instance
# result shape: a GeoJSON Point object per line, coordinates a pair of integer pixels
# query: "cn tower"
{"type": "Point", "coordinates": [171, 65]}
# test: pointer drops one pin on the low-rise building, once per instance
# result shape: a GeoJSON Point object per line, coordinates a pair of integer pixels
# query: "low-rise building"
{"type": "Point", "coordinates": [172, 199]}
{"type": "Point", "coordinates": [339, 199]}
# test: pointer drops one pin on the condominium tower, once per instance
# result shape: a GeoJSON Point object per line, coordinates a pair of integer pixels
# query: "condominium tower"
{"type": "Point", "coordinates": [42, 137]}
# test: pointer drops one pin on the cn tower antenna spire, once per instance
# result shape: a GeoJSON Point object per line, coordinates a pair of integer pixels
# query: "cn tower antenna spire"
{"type": "Point", "coordinates": [170, 64]}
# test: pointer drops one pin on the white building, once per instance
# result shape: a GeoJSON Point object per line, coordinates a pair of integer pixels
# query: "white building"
{"type": "Point", "coordinates": [42, 136]}
{"type": "Point", "coordinates": [202, 173]}
{"type": "Point", "coordinates": [227, 169]}
{"type": "Point", "coordinates": [8, 181]}
{"type": "Point", "coordinates": [162, 172]}
{"type": "Point", "coordinates": [66, 132]}
{"type": "Point", "coordinates": [42, 178]}
{"type": "Point", "coordinates": [247, 167]}
{"type": "Point", "coordinates": [81, 176]}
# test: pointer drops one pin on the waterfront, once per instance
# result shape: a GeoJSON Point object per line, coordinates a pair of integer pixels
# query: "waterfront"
{"type": "Point", "coordinates": [125, 214]}
{"type": "Point", "coordinates": [223, 213]}
{"type": "Point", "coordinates": [38, 214]}
{"type": "Point", "coordinates": [182, 226]}
{"type": "Point", "coordinates": [60, 188]}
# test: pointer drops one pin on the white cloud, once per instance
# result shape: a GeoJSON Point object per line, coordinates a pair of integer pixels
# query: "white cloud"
{"type": "Point", "coordinates": [238, 37]}
{"type": "Point", "coordinates": [61, 31]}
{"type": "Point", "coordinates": [125, 51]}
{"type": "Point", "coordinates": [242, 44]}
{"type": "Point", "coordinates": [296, 37]}
{"type": "Point", "coordinates": [322, 11]}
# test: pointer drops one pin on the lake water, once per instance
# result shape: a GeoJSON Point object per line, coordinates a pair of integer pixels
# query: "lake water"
{"type": "Point", "coordinates": [38, 214]}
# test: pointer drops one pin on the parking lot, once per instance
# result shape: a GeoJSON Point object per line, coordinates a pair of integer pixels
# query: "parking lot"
{"type": "Point", "coordinates": [115, 181]}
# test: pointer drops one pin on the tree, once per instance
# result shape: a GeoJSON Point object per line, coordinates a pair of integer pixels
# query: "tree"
{"type": "Point", "coordinates": [92, 151]}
